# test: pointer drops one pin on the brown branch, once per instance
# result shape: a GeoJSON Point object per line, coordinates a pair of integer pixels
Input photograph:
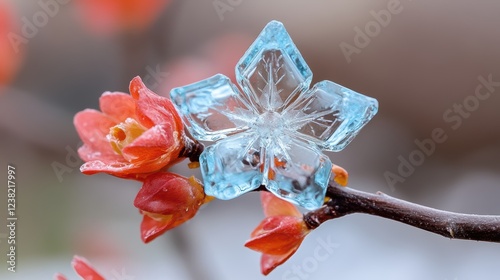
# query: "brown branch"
{"type": "Point", "coordinates": [192, 149]}
{"type": "Point", "coordinates": [448, 224]}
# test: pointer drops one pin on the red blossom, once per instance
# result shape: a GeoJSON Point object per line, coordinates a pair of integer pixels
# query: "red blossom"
{"type": "Point", "coordinates": [206, 62]}
{"type": "Point", "coordinates": [83, 269]}
{"type": "Point", "coordinates": [279, 235]}
{"type": "Point", "coordinates": [109, 16]}
{"type": "Point", "coordinates": [134, 134]}
{"type": "Point", "coordinates": [167, 200]}
{"type": "Point", "coordinates": [11, 44]}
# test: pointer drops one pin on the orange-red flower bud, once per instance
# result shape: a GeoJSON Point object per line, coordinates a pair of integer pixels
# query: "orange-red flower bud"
{"type": "Point", "coordinates": [340, 175]}
{"type": "Point", "coordinates": [167, 200]}
{"type": "Point", "coordinates": [279, 235]}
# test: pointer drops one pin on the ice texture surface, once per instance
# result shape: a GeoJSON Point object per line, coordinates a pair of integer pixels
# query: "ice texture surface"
{"type": "Point", "coordinates": [273, 131]}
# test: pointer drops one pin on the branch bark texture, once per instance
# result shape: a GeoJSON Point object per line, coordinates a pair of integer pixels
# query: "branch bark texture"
{"type": "Point", "coordinates": [448, 224]}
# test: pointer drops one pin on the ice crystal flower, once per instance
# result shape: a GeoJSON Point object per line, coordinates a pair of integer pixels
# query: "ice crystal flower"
{"type": "Point", "coordinates": [279, 235]}
{"type": "Point", "coordinates": [83, 268]}
{"type": "Point", "coordinates": [167, 200]}
{"type": "Point", "coordinates": [134, 134]}
{"type": "Point", "coordinates": [273, 132]}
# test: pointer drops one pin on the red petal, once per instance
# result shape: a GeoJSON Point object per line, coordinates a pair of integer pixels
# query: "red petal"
{"type": "Point", "coordinates": [113, 168]}
{"type": "Point", "coordinates": [88, 154]}
{"type": "Point", "coordinates": [274, 206]}
{"type": "Point", "coordinates": [84, 269]}
{"type": "Point", "coordinates": [123, 169]}
{"type": "Point", "coordinates": [151, 228]}
{"type": "Point", "coordinates": [153, 109]}
{"type": "Point", "coordinates": [93, 126]}
{"type": "Point", "coordinates": [277, 235]}
{"type": "Point", "coordinates": [118, 168]}
{"type": "Point", "coordinates": [269, 262]}
{"type": "Point", "coordinates": [159, 143]}
{"type": "Point", "coordinates": [117, 105]}
{"type": "Point", "coordinates": [167, 194]}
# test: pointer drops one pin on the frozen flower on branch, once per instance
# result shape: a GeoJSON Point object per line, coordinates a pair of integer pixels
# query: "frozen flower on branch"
{"type": "Point", "coordinates": [167, 200]}
{"type": "Point", "coordinates": [132, 135]}
{"type": "Point", "coordinates": [272, 132]}
{"type": "Point", "coordinates": [279, 235]}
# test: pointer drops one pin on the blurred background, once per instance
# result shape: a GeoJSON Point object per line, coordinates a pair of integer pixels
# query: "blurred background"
{"type": "Point", "coordinates": [422, 60]}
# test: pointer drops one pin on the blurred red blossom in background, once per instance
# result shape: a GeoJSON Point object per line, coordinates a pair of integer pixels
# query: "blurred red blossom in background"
{"type": "Point", "coordinates": [279, 235]}
{"type": "Point", "coordinates": [111, 16]}
{"type": "Point", "coordinates": [219, 55]}
{"type": "Point", "coordinates": [10, 56]}
{"type": "Point", "coordinates": [133, 135]}
{"type": "Point", "coordinates": [83, 268]}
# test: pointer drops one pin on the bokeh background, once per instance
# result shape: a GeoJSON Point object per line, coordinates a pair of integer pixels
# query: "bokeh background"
{"type": "Point", "coordinates": [421, 63]}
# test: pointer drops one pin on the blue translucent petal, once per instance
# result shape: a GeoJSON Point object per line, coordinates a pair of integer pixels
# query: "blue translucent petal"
{"type": "Point", "coordinates": [331, 115]}
{"type": "Point", "coordinates": [213, 108]}
{"type": "Point", "coordinates": [272, 72]}
{"type": "Point", "coordinates": [232, 166]}
{"type": "Point", "coordinates": [298, 172]}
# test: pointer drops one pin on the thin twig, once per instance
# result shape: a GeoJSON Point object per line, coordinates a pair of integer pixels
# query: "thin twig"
{"type": "Point", "coordinates": [192, 149]}
{"type": "Point", "coordinates": [448, 224]}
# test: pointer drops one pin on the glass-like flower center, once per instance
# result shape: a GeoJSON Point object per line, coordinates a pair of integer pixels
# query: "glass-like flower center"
{"type": "Point", "coordinates": [270, 125]}
{"type": "Point", "coordinates": [124, 133]}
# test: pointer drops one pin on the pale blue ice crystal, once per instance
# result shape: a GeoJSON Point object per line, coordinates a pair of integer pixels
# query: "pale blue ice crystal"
{"type": "Point", "coordinates": [272, 134]}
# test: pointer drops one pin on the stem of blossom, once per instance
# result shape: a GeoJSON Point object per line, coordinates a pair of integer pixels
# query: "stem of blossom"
{"type": "Point", "coordinates": [448, 224]}
{"type": "Point", "coordinates": [192, 149]}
